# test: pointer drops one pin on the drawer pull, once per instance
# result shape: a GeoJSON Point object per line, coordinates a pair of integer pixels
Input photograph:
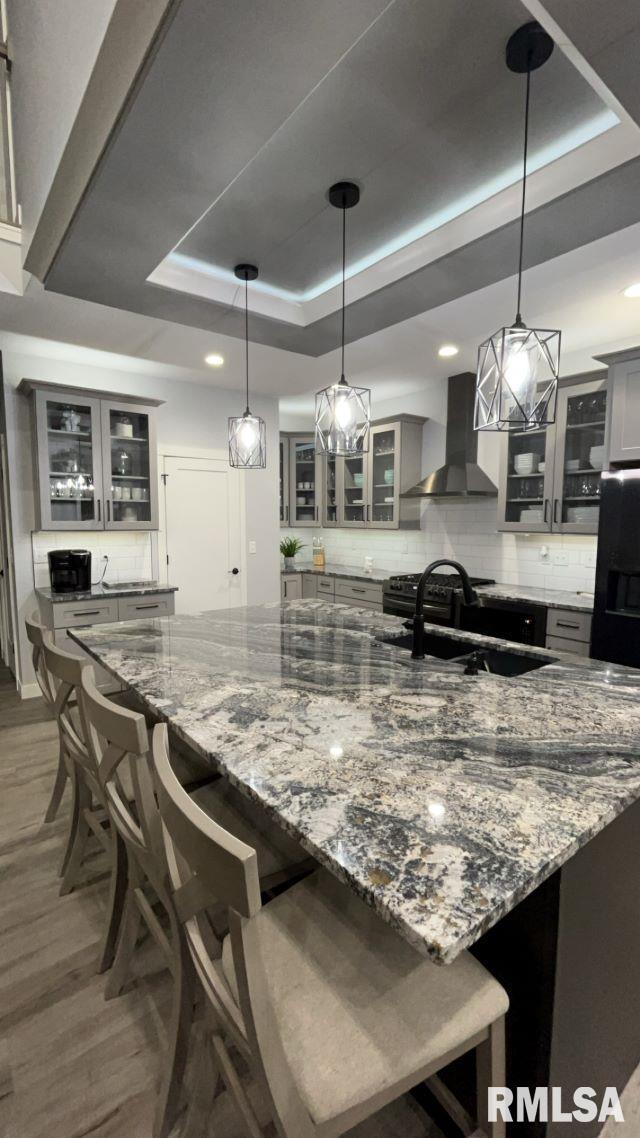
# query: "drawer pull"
{"type": "Point", "coordinates": [355, 589]}
{"type": "Point", "coordinates": [566, 624]}
{"type": "Point", "coordinates": [88, 612]}
{"type": "Point", "coordinates": [138, 607]}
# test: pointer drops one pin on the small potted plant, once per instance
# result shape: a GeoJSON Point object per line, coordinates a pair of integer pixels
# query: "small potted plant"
{"type": "Point", "coordinates": [289, 546]}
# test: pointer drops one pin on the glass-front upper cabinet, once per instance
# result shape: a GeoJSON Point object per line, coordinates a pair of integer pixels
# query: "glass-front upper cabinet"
{"type": "Point", "coordinates": [526, 484]}
{"type": "Point", "coordinates": [69, 463]}
{"type": "Point", "coordinates": [550, 479]}
{"type": "Point", "coordinates": [283, 458]}
{"type": "Point", "coordinates": [130, 473]}
{"type": "Point", "coordinates": [352, 490]}
{"type": "Point", "coordinates": [384, 477]}
{"type": "Point", "coordinates": [580, 455]}
{"type": "Point", "coordinates": [304, 486]}
{"type": "Point", "coordinates": [330, 495]}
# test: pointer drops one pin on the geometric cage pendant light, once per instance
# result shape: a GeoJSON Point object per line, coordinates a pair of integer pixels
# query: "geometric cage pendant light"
{"type": "Point", "coordinates": [343, 412]}
{"type": "Point", "coordinates": [518, 367]}
{"type": "Point", "coordinates": [247, 432]}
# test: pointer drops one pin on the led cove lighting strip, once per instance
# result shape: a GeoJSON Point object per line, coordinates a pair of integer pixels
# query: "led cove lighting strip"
{"type": "Point", "coordinates": [603, 122]}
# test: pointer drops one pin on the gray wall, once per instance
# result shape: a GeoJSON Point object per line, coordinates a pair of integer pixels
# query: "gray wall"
{"type": "Point", "coordinates": [193, 416]}
{"type": "Point", "coordinates": [54, 44]}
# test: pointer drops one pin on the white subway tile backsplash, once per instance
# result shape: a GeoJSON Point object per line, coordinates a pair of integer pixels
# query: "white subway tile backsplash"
{"type": "Point", "coordinates": [130, 554]}
{"type": "Point", "coordinates": [466, 531]}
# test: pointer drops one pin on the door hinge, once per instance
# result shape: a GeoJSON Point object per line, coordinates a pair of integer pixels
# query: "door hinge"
{"type": "Point", "coordinates": [164, 478]}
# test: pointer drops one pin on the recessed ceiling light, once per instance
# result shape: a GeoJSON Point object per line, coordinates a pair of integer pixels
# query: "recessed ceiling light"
{"type": "Point", "coordinates": [633, 291]}
{"type": "Point", "coordinates": [214, 359]}
{"type": "Point", "coordinates": [447, 350]}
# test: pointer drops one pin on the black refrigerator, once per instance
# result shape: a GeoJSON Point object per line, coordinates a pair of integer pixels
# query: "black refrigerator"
{"type": "Point", "coordinates": [615, 631]}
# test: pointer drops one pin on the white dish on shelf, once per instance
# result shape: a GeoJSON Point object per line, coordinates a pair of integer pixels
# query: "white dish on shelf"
{"type": "Point", "coordinates": [572, 464]}
{"type": "Point", "coordinates": [530, 514]}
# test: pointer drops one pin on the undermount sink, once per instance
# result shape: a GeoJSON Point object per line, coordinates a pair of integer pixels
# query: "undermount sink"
{"type": "Point", "coordinates": [497, 661]}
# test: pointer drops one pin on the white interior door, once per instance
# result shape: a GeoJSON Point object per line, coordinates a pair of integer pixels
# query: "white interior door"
{"type": "Point", "coordinates": [203, 533]}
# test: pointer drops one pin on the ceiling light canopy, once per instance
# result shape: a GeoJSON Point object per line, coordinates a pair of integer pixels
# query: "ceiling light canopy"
{"type": "Point", "coordinates": [343, 413]}
{"type": "Point", "coordinates": [214, 359]}
{"type": "Point", "coordinates": [517, 377]}
{"type": "Point", "coordinates": [633, 291]}
{"type": "Point", "coordinates": [247, 432]}
{"type": "Point", "coordinates": [448, 350]}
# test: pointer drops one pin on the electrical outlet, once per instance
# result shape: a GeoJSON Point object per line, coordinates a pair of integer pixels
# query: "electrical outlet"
{"type": "Point", "coordinates": [590, 560]}
{"type": "Point", "coordinates": [560, 559]}
{"type": "Point", "coordinates": [252, 547]}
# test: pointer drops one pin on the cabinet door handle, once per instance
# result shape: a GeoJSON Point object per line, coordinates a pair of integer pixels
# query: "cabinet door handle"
{"type": "Point", "coordinates": [354, 589]}
{"type": "Point", "coordinates": [99, 510]}
{"type": "Point", "coordinates": [234, 571]}
{"type": "Point", "coordinates": [287, 518]}
{"type": "Point", "coordinates": [138, 607]}
{"type": "Point", "coordinates": [88, 612]}
{"type": "Point", "coordinates": [556, 503]}
{"type": "Point", "coordinates": [108, 510]}
{"type": "Point", "coordinates": [367, 513]}
{"type": "Point", "coordinates": [566, 624]}
{"type": "Point", "coordinates": [316, 513]}
{"type": "Point", "coordinates": [546, 510]}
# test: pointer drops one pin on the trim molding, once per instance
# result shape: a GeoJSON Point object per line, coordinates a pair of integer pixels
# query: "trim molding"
{"type": "Point", "coordinates": [28, 691]}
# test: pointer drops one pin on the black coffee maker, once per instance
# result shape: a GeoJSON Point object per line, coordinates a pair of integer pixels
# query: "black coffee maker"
{"type": "Point", "coordinates": [70, 570]}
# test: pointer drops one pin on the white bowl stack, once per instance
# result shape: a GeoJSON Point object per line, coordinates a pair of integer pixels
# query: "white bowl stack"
{"type": "Point", "coordinates": [596, 457]}
{"type": "Point", "coordinates": [526, 463]}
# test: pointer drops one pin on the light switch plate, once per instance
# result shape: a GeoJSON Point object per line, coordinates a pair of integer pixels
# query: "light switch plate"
{"type": "Point", "coordinates": [560, 558]}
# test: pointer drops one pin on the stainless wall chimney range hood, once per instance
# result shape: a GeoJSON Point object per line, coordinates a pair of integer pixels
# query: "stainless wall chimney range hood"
{"type": "Point", "coordinates": [460, 477]}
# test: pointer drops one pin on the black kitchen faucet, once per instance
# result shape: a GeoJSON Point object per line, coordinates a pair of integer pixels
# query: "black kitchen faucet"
{"type": "Point", "coordinates": [470, 598]}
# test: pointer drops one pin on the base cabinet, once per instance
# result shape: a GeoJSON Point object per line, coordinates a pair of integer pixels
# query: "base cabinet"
{"type": "Point", "coordinates": [63, 615]}
{"type": "Point", "coordinates": [569, 631]}
{"type": "Point", "coordinates": [291, 587]}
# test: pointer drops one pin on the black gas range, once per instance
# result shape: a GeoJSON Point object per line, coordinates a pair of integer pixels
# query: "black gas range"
{"type": "Point", "coordinates": [399, 595]}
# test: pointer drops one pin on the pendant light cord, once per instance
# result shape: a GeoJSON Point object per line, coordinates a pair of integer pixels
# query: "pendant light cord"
{"type": "Point", "coordinates": [246, 336]}
{"type": "Point", "coordinates": [524, 192]}
{"type": "Point", "coordinates": [344, 255]}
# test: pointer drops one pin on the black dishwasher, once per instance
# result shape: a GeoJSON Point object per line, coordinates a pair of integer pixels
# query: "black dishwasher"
{"type": "Point", "coordinates": [520, 621]}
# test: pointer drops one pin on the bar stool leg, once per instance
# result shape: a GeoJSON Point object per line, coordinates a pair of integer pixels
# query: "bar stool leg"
{"type": "Point", "coordinates": [58, 788]}
{"type": "Point", "coordinates": [117, 894]}
{"type": "Point", "coordinates": [490, 1072]}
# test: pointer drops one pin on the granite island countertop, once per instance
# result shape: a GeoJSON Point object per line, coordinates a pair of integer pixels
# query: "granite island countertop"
{"type": "Point", "coordinates": [99, 592]}
{"type": "Point", "coordinates": [441, 799]}
{"type": "Point", "coordinates": [549, 598]}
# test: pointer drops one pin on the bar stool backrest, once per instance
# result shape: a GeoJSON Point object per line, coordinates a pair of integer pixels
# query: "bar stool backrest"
{"type": "Point", "coordinates": [38, 636]}
{"type": "Point", "coordinates": [209, 866]}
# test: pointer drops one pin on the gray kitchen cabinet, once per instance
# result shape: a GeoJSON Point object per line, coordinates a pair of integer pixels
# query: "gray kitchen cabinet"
{"type": "Point", "coordinates": [309, 586]}
{"type": "Point", "coordinates": [130, 466]}
{"type": "Point", "coordinates": [60, 616]}
{"type": "Point", "coordinates": [624, 382]}
{"type": "Point", "coordinates": [95, 459]}
{"type": "Point", "coordinates": [283, 459]}
{"type": "Point", "coordinates": [305, 479]}
{"type": "Point", "coordinates": [558, 490]}
{"type": "Point", "coordinates": [361, 491]}
{"type": "Point", "coordinates": [569, 631]}
{"type": "Point", "coordinates": [291, 586]}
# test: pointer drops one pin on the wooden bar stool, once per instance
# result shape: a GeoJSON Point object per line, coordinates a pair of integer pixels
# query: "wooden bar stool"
{"type": "Point", "coordinates": [120, 746]}
{"type": "Point", "coordinates": [38, 636]}
{"type": "Point", "coordinates": [334, 1012]}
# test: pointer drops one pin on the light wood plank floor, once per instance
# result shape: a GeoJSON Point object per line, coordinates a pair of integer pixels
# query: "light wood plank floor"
{"type": "Point", "coordinates": [71, 1064]}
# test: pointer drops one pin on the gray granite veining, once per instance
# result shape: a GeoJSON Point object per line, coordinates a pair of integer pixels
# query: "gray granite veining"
{"type": "Point", "coordinates": [442, 799]}
{"type": "Point", "coordinates": [99, 592]}
{"type": "Point", "coordinates": [349, 571]}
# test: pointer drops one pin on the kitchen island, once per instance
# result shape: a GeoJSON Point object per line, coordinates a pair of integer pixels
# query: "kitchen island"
{"type": "Point", "coordinates": [445, 800]}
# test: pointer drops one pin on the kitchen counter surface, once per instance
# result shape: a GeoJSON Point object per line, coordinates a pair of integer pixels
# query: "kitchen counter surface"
{"type": "Point", "coordinates": [350, 571]}
{"type": "Point", "coordinates": [98, 592]}
{"type": "Point", "coordinates": [442, 799]}
{"type": "Point", "coordinates": [550, 598]}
